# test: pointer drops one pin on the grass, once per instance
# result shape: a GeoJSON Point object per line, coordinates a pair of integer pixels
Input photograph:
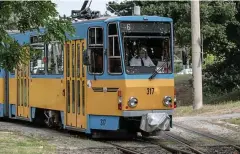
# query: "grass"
{"type": "Point", "coordinates": [228, 97]}
{"type": "Point", "coordinates": [235, 121]}
{"type": "Point", "coordinates": [12, 143]}
{"type": "Point", "coordinates": [182, 77]}
{"type": "Point", "coordinates": [183, 89]}
{"type": "Point", "coordinates": [227, 107]}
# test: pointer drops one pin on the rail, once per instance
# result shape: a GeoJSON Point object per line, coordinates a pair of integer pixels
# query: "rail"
{"type": "Point", "coordinates": [124, 149]}
{"type": "Point", "coordinates": [217, 138]}
{"type": "Point", "coordinates": [170, 149]}
{"type": "Point", "coordinates": [178, 139]}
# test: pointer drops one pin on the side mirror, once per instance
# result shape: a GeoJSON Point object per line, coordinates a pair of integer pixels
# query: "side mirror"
{"type": "Point", "coordinates": [86, 57]}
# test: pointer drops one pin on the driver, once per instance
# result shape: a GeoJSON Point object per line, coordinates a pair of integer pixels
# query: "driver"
{"type": "Point", "coordinates": [143, 59]}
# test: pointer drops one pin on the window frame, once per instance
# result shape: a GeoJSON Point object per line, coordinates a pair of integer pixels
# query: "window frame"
{"type": "Point", "coordinates": [90, 46]}
{"type": "Point", "coordinates": [108, 51]}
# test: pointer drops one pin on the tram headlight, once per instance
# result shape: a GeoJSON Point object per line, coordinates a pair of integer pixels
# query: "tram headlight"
{"type": "Point", "coordinates": [167, 101]}
{"type": "Point", "coordinates": [132, 102]}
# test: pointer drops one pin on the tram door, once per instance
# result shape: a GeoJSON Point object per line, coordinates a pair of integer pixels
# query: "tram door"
{"type": "Point", "coordinates": [75, 84]}
{"type": "Point", "coordinates": [23, 90]}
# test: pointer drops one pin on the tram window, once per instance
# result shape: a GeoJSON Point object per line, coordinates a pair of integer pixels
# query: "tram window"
{"type": "Point", "coordinates": [83, 98]}
{"type": "Point", "coordinates": [73, 96]}
{"type": "Point", "coordinates": [95, 45]}
{"type": "Point", "coordinates": [78, 97]}
{"type": "Point", "coordinates": [114, 58]}
{"type": "Point", "coordinates": [83, 68]}
{"type": "Point", "coordinates": [68, 96]}
{"type": "Point", "coordinates": [78, 60]}
{"type": "Point", "coordinates": [95, 36]}
{"type": "Point", "coordinates": [67, 59]}
{"type": "Point", "coordinates": [25, 92]}
{"type": "Point", "coordinates": [112, 29]}
{"type": "Point", "coordinates": [91, 36]}
{"type": "Point", "coordinates": [55, 58]}
{"type": "Point", "coordinates": [96, 60]}
{"type": "Point", "coordinates": [37, 64]}
{"type": "Point", "coordinates": [99, 36]}
{"type": "Point", "coordinates": [73, 60]}
{"type": "Point", "coordinates": [155, 51]}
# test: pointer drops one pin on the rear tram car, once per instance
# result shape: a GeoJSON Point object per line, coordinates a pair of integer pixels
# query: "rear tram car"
{"type": "Point", "coordinates": [114, 75]}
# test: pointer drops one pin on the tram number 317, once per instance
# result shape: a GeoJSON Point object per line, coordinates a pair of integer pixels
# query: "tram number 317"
{"type": "Point", "coordinates": [150, 91]}
{"type": "Point", "coordinates": [102, 122]}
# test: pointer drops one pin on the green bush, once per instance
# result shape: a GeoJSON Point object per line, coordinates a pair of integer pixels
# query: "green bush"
{"type": "Point", "coordinates": [209, 60]}
{"type": "Point", "coordinates": [177, 67]}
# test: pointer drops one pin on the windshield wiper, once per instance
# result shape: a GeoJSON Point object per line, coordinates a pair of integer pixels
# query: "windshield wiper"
{"type": "Point", "coordinates": [157, 69]}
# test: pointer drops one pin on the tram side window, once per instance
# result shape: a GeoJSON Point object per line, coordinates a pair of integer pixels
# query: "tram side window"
{"type": "Point", "coordinates": [114, 58]}
{"type": "Point", "coordinates": [55, 58]}
{"type": "Point", "coordinates": [37, 61]}
{"type": "Point", "coordinates": [95, 45]}
{"type": "Point", "coordinates": [37, 64]}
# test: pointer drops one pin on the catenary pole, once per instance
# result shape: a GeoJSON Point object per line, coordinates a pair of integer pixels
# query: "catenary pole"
{"type": "Point", "coordinates": [196, 55]}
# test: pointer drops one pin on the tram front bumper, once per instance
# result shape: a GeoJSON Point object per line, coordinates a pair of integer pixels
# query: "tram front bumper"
{"type": "Point", "coordinates": [152, 122]}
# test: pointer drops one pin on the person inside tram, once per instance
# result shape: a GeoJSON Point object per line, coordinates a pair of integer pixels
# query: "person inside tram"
{"type": "Point", "coordinates": [141, 59]}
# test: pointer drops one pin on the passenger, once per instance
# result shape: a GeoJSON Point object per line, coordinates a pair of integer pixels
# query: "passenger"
{"type": "Point", "coordinates": [143, 59]}
{"type": "Point", "coordinates": [135, 61]}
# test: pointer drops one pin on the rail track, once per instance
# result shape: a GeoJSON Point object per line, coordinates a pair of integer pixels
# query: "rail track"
{"type": "Point", "coordinates": [208, 135]}
{"type": "Point", "coordinates": [184, 142]}
{"type": "Point", "coordinates": [157, 146]}
{"type": "Point", "coordinates": [170, 149]}
{"type": "Point", "coordinates": [124, 149]}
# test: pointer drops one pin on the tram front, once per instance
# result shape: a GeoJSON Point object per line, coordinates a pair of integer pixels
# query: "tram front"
{"type": "Point", "coordinates": [148, 96]}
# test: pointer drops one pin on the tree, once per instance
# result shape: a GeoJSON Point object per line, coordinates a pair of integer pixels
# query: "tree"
{"type": "Point", "coordinates": [124, 8]}
{"type": "Point", "coordinates": [24, 16]}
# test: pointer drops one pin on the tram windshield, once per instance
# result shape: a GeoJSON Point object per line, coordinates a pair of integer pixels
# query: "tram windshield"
{"type": "Point", "coordinates": [147, 47]}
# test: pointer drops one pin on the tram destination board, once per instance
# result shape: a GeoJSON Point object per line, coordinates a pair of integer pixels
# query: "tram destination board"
{"type": "Point", "coordinates": [151, 27]}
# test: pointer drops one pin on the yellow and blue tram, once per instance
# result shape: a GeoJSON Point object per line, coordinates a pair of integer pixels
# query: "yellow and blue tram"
{"type": "Point", "coordinates": [115, 74]}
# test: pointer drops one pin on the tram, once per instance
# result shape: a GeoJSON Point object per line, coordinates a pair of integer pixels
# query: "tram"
{"type": "Point", "coordinates": [115, 75]}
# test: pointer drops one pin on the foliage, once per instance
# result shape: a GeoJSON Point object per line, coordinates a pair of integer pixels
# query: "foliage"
{"type": "Point", "coordinates": [24, 16]}
{"type": "Point", "coordinates": [177, 67]}
{"type": "Point", "coordinates": [223, 76]}
{"type": "Point", "coordinates": [209, 60]}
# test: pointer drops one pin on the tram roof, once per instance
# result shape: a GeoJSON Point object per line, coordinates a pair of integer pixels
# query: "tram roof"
{"type": "Point", "coordinates": [125, 18]}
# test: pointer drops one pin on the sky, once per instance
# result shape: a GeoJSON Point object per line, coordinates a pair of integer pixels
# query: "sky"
{"type": "Point", "coordinates": [66, 6]}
